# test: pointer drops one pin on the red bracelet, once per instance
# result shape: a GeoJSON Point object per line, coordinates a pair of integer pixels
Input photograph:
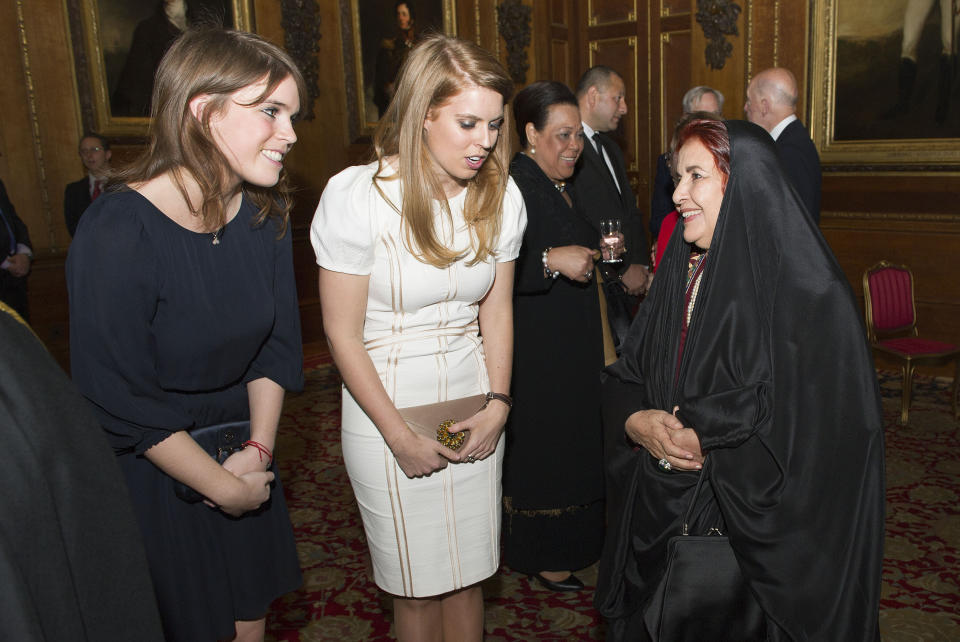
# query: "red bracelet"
{"type": "Point", "coordinates": [260, 447]}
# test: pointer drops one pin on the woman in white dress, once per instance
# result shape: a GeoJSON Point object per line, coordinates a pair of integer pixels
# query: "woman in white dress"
{"type": "Point", "coordinates": [416, 253]}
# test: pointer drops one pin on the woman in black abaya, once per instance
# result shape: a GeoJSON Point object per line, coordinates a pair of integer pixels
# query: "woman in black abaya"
{"type": "Point", "coordinates": [769, 375]}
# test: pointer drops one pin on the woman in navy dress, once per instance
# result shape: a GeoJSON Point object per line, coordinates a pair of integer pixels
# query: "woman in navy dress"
{"type": "Point", "coordinates": [183, 314]}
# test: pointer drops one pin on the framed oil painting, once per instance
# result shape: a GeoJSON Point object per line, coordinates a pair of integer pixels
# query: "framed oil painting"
{"type": "Point", "coordinates": [885, 88]}
{"type": "Point", "coordinates": [381, 32]}
{"type": "Point", "coordinates": [118, 45]}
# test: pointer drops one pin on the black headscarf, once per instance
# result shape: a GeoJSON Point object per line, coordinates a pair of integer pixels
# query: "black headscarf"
{"type": "Point", "coordinates": [777, 380]}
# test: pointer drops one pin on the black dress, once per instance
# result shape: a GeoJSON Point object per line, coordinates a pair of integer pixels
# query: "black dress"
{"type": "Point", "coordinates": [776, 378]}
{"type": "Point", "coordinates": [166, 331]}
{"type": "Point", "coordinates": [553, 474]}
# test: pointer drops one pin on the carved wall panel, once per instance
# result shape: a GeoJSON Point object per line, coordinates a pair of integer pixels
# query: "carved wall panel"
{"type": "Point", "coordinates": [604, 12]}
{"type": "Point", "coordinates": [674, 81]}
{"type": "Point", "coordinates": [560, 13]}
{"type": "Point", "coordinates": [674, 7]}
{"type": "Point", "coordinates": [560, 67]}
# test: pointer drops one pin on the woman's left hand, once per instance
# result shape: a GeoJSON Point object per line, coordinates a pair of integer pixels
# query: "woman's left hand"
{"type": "Point", "coordinates": [246, 461]}
{"type": "Point", "coordinates": [485, 428]}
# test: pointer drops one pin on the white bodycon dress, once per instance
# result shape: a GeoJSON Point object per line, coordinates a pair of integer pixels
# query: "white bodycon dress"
{"type": "Point", "coordinates": [439, 533]}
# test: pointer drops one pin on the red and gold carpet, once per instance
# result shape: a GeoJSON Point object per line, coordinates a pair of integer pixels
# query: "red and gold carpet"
{"type": "Point", "coordinates": [338, 600]}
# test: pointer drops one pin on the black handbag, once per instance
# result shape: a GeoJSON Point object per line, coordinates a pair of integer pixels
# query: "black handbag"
{"type": "Point", "coordinates": [703, 594]}
{"type": "Point", "coordinates": [219, 441]}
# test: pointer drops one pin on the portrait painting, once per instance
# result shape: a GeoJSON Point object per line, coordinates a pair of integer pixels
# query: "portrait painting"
{"type": "Point", "coordinates": [121, 44]}
{"type": "Point", "coordinates": [384, 32]}
{"type": "Point", "coordinates": [885, 87]}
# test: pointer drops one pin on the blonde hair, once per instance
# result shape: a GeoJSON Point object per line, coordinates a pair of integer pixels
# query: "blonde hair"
{"type": "Point", "coordinates": [217, 62]}
{"type": "Point", "coordinates": [437, 69]}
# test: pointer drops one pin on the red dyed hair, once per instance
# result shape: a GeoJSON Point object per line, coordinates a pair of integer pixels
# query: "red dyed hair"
{"type": "Point", "coordinates": [712, 133]}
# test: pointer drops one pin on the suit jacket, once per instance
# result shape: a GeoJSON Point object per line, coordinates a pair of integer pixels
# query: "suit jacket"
{"type": "Point", "coordinates": [597, 198]}
{"type": "Point", "coordinates": [76, 199]}
{"type": "Point", "coordinates": [13, 289]}
{"type": "Point", "coordinates": [801, 164]}
{"type": "Point", "coordinates": [661, 199]}
{"type": "Point", "coordinates": [19, 229]}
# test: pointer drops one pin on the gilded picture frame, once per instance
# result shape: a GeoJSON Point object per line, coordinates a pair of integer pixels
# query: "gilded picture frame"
{"type": "Point", "coordinates": [861, 117]}
{"type": "Point", "coordinates": [370, 31]}
{"type": "Point", "coordinates": [105, 35]}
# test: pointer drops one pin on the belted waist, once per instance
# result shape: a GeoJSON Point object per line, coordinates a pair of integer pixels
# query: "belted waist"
{"type": "Point", "coordinates": [418, 335]}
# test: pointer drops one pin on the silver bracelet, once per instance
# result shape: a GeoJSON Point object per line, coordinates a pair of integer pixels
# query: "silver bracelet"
{"type": "Point", "coordinates": [546, 270]}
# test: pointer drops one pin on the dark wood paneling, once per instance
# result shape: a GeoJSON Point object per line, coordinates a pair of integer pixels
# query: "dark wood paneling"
{"type": "Point", "coordinates": [604, 12]}
{"type": "Point", "coordinates": [891, 193]}
{"type": "Point", "coordinates": [560, 67]}
{"type": "Point", "coordinates": [673, 7]}
{"type": "Point", "coordinates": [49, 305]}
{"type": "Point", "coordinates": [560, 13]}
{"type": "Point", "coordinates": [674, 58]}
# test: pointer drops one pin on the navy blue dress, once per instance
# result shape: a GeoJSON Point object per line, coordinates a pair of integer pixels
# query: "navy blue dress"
{"type": "Point", "coordinates": [166, 330]}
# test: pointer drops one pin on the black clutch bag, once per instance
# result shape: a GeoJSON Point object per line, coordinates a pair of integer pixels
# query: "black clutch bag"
{"type": "Point", "coordinates": [703, 595]}
{"type": "Point", "coordinates": [219, 441]}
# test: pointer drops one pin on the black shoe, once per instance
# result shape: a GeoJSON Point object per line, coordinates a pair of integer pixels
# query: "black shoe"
{"type": "Point", "coordinates": [571, 583]}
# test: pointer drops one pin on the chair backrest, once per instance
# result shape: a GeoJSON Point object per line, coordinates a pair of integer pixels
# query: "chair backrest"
{"type": "Point", "coordinates": [888, 299]}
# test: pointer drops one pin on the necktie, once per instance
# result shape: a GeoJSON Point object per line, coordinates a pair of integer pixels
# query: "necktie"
{"type": "Point", "coordinates": [604, 155]}
{"type": "Point", "coordinates": [96, 191]}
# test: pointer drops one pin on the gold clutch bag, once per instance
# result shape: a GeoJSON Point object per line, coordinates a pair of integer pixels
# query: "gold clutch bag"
{"type": "Point", "coordinates": [433, 419]}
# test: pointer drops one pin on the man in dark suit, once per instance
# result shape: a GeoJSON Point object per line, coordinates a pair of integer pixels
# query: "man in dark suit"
{"type": "Point", "coordinates": [16, 254]}
{"type": "Point", "coordinates": [601, 189]}
{"type": "Point", "coordinates": [772, 104]}
{"type": "Point", "coordinates": [95, 154]}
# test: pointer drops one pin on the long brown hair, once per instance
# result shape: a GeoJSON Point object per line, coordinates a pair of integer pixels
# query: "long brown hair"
{"type": "Point", "coordinates": [217, 62]}
{"type": "Point", "coordinates": [436, 70]}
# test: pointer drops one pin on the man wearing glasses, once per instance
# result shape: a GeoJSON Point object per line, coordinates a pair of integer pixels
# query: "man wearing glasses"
{"type": "Point", "coordinates": [95, 154]}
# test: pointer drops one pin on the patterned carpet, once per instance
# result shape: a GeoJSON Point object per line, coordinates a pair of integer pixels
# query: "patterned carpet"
{"type": "Point", "coordinates": [338, 601]}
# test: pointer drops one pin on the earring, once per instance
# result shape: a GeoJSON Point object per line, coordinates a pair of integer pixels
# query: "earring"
{"type": "Point", "coordinates": [533, 151]}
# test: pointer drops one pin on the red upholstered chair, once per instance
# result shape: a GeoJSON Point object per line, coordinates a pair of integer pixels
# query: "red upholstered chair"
{"type": "Point", "coordinates": [892, 328]}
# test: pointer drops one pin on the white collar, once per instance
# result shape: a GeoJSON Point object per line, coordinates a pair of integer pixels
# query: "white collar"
{"type": "Point", "coordinates": [776, 131]}
{"type": "Point", "coordinates": [588, 133]}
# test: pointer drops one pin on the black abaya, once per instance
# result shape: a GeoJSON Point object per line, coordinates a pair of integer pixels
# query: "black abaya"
{"type": "Point", "coordinates": [72, 565]}
{"type": "Point", "coordinates": [777, 379]}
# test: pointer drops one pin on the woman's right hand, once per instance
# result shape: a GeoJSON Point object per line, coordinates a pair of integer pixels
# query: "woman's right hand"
{"type": "Point", "coordinates": [252, 491]}
{"type": "Point", "coordinates": [419, 456]}
{"type": "Point", "coordinates": [662, 434]}
{"type": "Point", "coordinates": [572, 261]}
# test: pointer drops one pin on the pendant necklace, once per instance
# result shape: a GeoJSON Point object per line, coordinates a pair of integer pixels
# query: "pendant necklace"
{"type": "Point", "coordinates": [216, 236]}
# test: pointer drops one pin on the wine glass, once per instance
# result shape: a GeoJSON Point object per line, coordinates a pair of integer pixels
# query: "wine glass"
{"type": "Point", "coordinates": [611, 240]}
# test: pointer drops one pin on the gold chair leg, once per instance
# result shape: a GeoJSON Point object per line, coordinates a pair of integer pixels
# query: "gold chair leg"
{"type": "Point", "coordinates": [907, 371]}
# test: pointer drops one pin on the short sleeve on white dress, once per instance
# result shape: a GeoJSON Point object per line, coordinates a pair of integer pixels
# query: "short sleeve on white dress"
{"type": "Point", "coordinates": [343, 232]}
{"type": "Point", "coordinates": [512, 224]}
